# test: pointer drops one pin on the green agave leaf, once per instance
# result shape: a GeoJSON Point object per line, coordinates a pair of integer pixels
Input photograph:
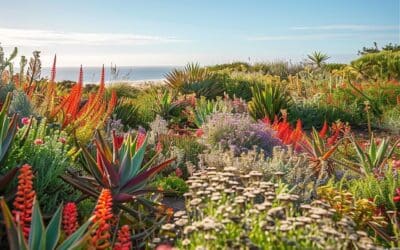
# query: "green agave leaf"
{"type": "Point", "coordinates": [53, 230]}
{"type": "Point", "coordinates": [73, 239]}
{"type": "Point", "coordinates": [37, 231]}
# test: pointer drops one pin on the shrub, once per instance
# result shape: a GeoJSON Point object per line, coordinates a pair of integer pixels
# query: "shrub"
{"type": "Point", "coordinates": [384, 64]}
{"type": "Point", "coordinates": [127, 112]}
{"type": "Point", "coordinates": [237, 132]}
{"type": "Point", "coordinates": [172, 184]}
{"type": "Point", "coordinates": [46, 150]}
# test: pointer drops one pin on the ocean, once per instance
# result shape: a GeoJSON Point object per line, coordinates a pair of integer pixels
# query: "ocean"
{"type": "Point", "coordinates": [123, 74]}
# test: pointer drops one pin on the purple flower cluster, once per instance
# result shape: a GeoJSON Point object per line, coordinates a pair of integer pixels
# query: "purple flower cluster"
{"type": "Point", "coordinates": [239, 133]}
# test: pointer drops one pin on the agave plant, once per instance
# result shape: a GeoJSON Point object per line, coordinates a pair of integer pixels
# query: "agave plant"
{"type": "Point", "coordinates": [372, 159]}
{"type": "Point", "coordinates": [269, 101]}
{"type": "Point", "coordinates": [122, 169]}
{"type": "Point", "coordinates": [8, 129]}
{"type": "Point", "coordinates": [41, 237]}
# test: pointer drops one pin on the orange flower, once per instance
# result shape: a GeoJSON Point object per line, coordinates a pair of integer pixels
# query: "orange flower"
{"type": "Point", "coordinates": [70, 218]}
{"type": "Point", "coordinates": [24, 198]}
{"type": "Point", "coordinates": [124, 239]}
{"type": "Point", "coordinates": [102, 218]}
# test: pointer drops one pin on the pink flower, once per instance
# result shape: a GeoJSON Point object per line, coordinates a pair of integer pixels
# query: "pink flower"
{"type": "Point", "coordinates": [38, 141]}
{"type": "Point", "coordinates": [199, 132]}
{"type": "Point", "coordinates": [62, 140]}
{"type": "Point", "coordinates": [396, 164]}
{"type": "Point", "coordinates": [25, 120]}
{"type": "Point", "coordinates": [178, 172]}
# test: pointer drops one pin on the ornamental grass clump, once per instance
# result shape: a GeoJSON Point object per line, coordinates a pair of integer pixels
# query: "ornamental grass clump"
{"type": "Point", "coordinates": [237, 132]}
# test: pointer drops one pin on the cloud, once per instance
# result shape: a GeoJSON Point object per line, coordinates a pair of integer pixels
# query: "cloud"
{"type": "Point", "coordinates": [323, 36]}
{"type": "Point", "coordinates": [349, 27]}
{"type": "Point", "coordinates": [37, 37]}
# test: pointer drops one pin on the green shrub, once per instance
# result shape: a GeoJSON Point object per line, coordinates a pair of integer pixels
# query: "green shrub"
{"type": "Point", "coordinates": [127, 112]}
{"type": "Point", "coordinates": [124, 90]}
{"type": "Point", "coordinates": [46, 150]}
{"type": "Point", "coordinates": [384, 64]}
{"type": "Point", "coordinates": [172, 184]}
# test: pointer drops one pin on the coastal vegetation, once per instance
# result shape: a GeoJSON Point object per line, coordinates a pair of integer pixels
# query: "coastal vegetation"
{"type": "Point", "coordinates": [274, 155]}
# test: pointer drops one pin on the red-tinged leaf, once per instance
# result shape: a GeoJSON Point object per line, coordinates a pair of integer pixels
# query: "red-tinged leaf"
{"type": "Point", "coordinates": [147, 174]}
{"type": "Point", "coordinates": [109, 169]}
{"type": "Point", "coordinates": [16, 240]}
{"type": "Point", "coordinates": [5, 180]}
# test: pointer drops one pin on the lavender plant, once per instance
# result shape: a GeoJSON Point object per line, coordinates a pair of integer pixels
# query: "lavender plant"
{"type": "Point", "coordinates": [237, 132]}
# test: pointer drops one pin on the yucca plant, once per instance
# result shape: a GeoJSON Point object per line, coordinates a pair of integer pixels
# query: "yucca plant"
{"type": "Point", "coordinates": [121, 169]}
{"type": "Point", "coordinates": [8, 129]}
{"type": "Point", "coordinates": [269, 100]}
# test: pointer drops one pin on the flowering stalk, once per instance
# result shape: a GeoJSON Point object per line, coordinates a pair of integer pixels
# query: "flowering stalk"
{"type": "Point", "coordinates": [102, 216]}
{"type": "Point", "coordinates": [23, 201]}
{"type": "Point", "coordinates": [124, 239]}
{"type": "Point", "coordinates": [70, 218]}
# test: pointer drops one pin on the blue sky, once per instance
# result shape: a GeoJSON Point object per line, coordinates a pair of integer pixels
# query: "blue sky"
{"type": "Point", "coordinates": [174, 32]}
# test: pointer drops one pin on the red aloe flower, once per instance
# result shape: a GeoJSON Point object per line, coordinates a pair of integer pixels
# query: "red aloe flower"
{"type": "Point", "coordinates": [397, 197]}
{"type": "Point", "coordinates": [324, 130]}
{"type": "Point", "coordinates": [24, 198]}
{"type": "Point", "coordinates": [124, 239]}
{"type": "Point", "coordinates": [70, 218]}
{"type": "Point", "coordinates": [102, 218]}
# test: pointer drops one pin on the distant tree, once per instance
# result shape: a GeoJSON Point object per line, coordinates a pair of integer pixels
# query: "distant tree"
{"type": "Point", "coordinates": [318, 58]}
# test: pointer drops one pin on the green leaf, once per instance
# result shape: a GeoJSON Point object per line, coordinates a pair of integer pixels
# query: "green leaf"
{"type": "Point", "coordinates": [37, 232]}
{"type": "Point", "coordinates": [75, 237]}
{"type": "Point", "coordinates": [53, 230]}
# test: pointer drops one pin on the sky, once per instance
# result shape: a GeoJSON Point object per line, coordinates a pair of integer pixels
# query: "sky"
{"type": "Point", "coordinates": [174, 32]}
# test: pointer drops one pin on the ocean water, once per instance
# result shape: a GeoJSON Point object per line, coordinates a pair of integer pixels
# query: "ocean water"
{"type": "Point", "coordinates": [123, 74]}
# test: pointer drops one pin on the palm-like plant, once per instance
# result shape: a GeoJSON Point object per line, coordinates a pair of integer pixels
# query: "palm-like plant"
{"type": "Point", "coordinates": [269, 101]}
{"type": "Point", "coordinates": [318, 58]}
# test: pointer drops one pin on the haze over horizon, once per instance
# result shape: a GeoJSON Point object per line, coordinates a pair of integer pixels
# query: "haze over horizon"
{"type": "Point", "coordinates": [157, 32]}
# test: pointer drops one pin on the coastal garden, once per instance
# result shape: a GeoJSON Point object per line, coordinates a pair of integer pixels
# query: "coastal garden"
{"type": "Point", "coordinates": [273, 155]}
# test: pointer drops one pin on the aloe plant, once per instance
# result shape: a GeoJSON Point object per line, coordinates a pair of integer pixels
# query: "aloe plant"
{"type": "Point", "coordinates": [41, 237]}
{"type": "Point", "coordinates": [122, 169]}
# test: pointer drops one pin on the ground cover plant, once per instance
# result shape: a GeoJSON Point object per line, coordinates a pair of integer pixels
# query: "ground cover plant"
{"type": "Point", "coordinates": [247, 156]}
